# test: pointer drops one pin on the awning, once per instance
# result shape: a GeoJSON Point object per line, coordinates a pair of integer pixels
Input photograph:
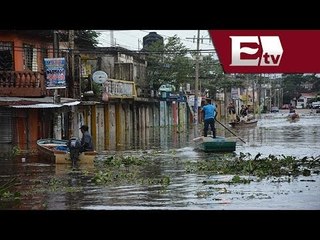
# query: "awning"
{"type": "Point", "coordinates": [43, 102]}
{"type": "Point", "coordinates": [46, 105]}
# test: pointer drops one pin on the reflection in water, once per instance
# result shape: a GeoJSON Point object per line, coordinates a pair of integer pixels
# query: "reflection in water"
{"type": "Point", "coordinates": [273, 135]}
{"type": "Point", "coordinates": [155, 138]}
{"type": "Point", "coordinates": [168, 150]}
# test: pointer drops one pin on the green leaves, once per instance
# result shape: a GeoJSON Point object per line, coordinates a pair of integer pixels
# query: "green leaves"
{"type": "Point", "coordinates": [168, 63]}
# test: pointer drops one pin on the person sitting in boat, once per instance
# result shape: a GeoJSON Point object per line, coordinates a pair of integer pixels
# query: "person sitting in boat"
{"type": "Point", "coordinates": [232, 112]}
{"type": "Point", "coordinates": [209, 111]}
{"type": "Point", "coordinates": [243, 113]}
{"type": "Point", "coordinates": [86, 140]}
{"type": "Point", "coordinates": [293, 115]}
{"type": "Point", "coordinates": [291, 109]}
{"type": "Point", "coordinates": [292, 112]}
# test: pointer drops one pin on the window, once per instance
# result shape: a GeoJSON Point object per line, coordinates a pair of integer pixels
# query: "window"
{"type": "Point", "coordinates": [6, 56]}
{"type": "Point", "coordinates": [30, 58]}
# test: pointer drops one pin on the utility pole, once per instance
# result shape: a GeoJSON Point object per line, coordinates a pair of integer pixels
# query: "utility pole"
{"type": "Point", "coordinates": [72, 83]}
{"type": "Point", "coordinates": [55, 44]}
{"type": "Point", "coordinates": [253, 98]}
{"type": "Point", "coordinates": [56, 99]}
{"type": "Point", "coordinates": [197, 83]}
{"type": "Point", "coordinates": [196, 86]}
{"type": "Point", "coordinates": [259, 94]}
{"type": "Point", "coordinates": [55, 55]}
{"type": "Point", "coordinates": [111, 38]}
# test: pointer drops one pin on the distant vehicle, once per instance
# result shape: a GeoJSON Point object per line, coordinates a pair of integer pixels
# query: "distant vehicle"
{"type": "Point", "coordinates": [315, 105]}
{"type": "Point", "coordinates": [274, 109]}
{"type": "Point", "coordinates": [167, 88]}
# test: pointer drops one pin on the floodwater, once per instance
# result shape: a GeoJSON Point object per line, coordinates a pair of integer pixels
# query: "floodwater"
{"type": "Point", "coordinates": [166, 182]}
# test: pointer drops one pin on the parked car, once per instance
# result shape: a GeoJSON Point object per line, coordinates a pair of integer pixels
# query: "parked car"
{"type": "Point", "coordinates": [315, 105]}
{"type": "Point", "coordinates": [274, 109]}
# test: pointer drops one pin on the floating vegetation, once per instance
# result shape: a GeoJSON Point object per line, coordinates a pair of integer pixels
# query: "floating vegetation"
{"type": "Point", "coordinates": [164, 181]}
{"type": "Point", "coordinates": [11, 153]}
{"type": "Point", "coordinates": [203, 194]}
{"type": "Point", "coordinates": [6, 194]}
{"type": "Point", "coordinates": [73, 181]}
{"type": "Point", "coordinates": [53, 184]}
{"type": "Point", "coordinates": [128, 169]}
{"type": "Point", "coordinates": [122, 161]}
{"type": "Point", "coordinates": [245, 164]}
{"type": "Point", "coordinates": [238, 179]}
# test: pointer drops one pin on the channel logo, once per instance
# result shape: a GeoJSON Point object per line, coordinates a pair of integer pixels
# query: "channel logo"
{"type": "Point", "coordinates": [267, 51]}
{"type": "Point", "coordinates": [256, 50]}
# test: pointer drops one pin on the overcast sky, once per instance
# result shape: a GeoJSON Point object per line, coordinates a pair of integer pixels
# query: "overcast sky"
{"type": "Point", "coordinates": [132, 39]}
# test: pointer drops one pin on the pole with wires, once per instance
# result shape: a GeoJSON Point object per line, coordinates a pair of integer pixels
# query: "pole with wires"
{"type": "Point", "coordinates": [55, 55]}
{"type": "Point", "coordinates": [196, 85]}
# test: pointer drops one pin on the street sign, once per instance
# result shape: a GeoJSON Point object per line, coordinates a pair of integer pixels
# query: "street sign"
{"type": "Point", "coordinates": [234, 94]}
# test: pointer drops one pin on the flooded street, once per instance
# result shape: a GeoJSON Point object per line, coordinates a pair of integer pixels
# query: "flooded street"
{"type": "Point", "coordinates": [158, 171]}
{"type": "Point", "coordinates": [276, 135]}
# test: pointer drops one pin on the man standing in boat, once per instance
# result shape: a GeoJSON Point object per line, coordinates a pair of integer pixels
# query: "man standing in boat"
{"type": "Point", "coordinates": [209, 114]}
{"type": "Point", "coordinates": [86, 140]}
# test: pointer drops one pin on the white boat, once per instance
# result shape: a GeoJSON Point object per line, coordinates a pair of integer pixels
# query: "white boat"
{"type": "Point", "coordinates": [57, 151]}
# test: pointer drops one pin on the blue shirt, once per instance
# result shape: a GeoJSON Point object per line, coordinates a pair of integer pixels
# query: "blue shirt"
{"type": "Point", "coordinates": [209, 111]}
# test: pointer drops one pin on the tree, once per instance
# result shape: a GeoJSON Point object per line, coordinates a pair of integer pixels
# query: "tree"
{"type": "Point", "coordinates": [292, 86]}
{"type": "Point", "coordinates": [314, 80]}
{"type": "Point", "coordinates": [84, 39]}
{"type": "Point", "coordinates": [210, 74]}
{"type": "Point", "coordinates": [168, 63]}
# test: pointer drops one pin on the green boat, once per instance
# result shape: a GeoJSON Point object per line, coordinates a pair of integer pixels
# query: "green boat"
{"type": "Point", "coordinates": [217, 144]}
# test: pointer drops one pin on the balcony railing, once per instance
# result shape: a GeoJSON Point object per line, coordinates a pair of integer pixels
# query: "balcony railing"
{"type": "Point", "coordinates": [22, 84]}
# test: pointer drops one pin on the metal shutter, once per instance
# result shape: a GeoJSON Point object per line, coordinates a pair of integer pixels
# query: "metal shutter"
{"type": "Point", "coordinates": [5, 126]}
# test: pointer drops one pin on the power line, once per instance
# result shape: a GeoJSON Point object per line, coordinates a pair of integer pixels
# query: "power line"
{"type": "Point", "coordinates": [125, 36]}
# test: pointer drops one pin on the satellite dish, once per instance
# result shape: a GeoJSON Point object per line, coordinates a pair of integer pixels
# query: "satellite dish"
{"type": "Point", "coordinates": [99, 77]}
